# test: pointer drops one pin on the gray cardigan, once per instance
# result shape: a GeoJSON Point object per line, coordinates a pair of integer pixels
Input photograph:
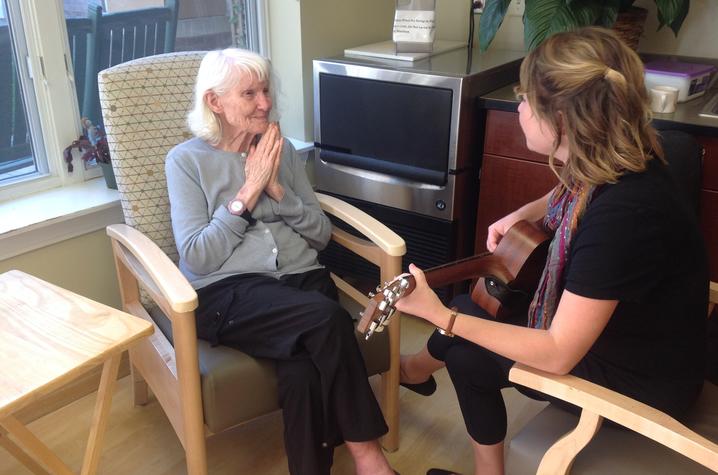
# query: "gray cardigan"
{"type": "Point", "coordinates": [213, 243]}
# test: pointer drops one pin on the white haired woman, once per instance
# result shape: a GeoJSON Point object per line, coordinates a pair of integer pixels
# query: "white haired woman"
{"type": "Point", "coordinates": [248, 228]}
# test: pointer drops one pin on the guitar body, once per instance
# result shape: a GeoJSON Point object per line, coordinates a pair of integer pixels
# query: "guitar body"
{"type": "Point", "coordinates": [507, 288]}
{"type": "Point", "coordinates": [507, 279]}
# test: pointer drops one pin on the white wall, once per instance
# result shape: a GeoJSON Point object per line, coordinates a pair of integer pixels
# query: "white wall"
{"type": "Point", "coordinates": [698, 37]}
{"type": "Point", "coordinates": [83, 264]}
{"type": "Point", "coordinates": [303, 30]}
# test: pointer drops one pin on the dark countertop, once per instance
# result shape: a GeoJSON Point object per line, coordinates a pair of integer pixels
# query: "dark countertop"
{"type": "Point", "coordinates": [685, 117]}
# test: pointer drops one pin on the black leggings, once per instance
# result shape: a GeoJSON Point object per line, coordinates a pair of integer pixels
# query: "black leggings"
{"type": "Point", "coordinates": [296, 321]}
{"type": "Point", "coordinates": [478, 375]}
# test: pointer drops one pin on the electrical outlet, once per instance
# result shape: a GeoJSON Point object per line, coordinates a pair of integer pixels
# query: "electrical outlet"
{"type": "Point", "coordinates": [516, 8]}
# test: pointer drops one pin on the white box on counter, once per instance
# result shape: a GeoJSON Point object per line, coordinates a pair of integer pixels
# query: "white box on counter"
{"type": "Point", "coordinates": [691, 79]}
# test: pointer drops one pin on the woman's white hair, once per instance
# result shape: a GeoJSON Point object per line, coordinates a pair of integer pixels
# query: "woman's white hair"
{"type": "Point", "coordinates": [220, 71]}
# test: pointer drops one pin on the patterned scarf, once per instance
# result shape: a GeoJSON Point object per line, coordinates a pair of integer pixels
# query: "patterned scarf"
{"type": "Point", "coordinates": [565, 207]}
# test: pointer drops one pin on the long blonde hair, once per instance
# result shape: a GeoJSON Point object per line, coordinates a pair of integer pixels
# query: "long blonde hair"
{"type": "Point", "coordinates": [588, 86]}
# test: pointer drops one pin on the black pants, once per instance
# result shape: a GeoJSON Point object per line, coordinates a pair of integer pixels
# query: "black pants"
{"type": "Point", "coordinates": [478, 375]}
{"type": "Point", "coordinates": [296, 321]}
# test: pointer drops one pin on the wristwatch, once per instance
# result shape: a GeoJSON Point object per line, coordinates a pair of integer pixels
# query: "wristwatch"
{"type": "Point", "coordinates": [238, 208]}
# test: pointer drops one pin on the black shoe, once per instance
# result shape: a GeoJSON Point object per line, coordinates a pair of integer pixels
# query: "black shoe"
{"type": "Point", "coordinates": [427, 388]}
{"type": "Point", "coordinates": [440, 471]}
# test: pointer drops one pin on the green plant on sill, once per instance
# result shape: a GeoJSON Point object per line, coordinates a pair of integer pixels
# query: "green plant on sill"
{"type": "Point", "coordinates": [93, 144]}
{"type": "Point", "coordinates": [542, 18]}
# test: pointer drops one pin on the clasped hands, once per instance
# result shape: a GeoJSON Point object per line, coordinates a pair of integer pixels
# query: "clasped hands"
{"type": "Point", "coordinates": [262, 167]}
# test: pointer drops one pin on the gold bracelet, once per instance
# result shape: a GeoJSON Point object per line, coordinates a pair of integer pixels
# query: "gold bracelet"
{"type": "Point", "coordinates": [447, 331]}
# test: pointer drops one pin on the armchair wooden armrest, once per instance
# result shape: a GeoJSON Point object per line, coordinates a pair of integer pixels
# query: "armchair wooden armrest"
{"type": "Point", "coordinates": [153, 269]}
{"type": "Point", "coordinates": [598, 402]}
{"type": "Point", "coordinates": [384, 248]}
{"type": "Point", "coordinates": [171, 370]}
{"type": "Point", "coordinates": [383, 237]}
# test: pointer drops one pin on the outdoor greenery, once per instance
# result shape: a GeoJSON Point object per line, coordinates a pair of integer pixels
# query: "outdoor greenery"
{"type": "Point", "coordinates": [543, 18]}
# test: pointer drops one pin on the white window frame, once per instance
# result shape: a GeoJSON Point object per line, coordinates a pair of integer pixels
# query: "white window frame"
{"type": "Point", "coordinates": [43, 23]}
{"type": "Point", "coordinates": [48, 60]}
{"type": "Point", "coordinates": [258, 19]}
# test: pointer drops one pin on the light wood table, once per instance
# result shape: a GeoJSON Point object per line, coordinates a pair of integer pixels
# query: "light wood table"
{"type": "Point", "coordinates": [48, 337]}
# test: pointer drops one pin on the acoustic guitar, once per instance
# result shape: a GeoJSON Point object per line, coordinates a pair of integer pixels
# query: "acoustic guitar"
{"type": "Point", "coordinates": [507, 279]}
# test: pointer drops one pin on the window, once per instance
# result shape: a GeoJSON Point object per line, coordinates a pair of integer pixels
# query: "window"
{"type": "Point", "coordinates": [51, 51]}
{"type": "Point", "coordinates": [16, 155]}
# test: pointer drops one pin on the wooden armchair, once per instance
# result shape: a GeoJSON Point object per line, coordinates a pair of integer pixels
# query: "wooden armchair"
{"type": "Point", "coordinates": [203, 389]}
{"type": "Point", "coordinates": [541, 446]}
{"type": "Point", "coordinates": [644, 448]}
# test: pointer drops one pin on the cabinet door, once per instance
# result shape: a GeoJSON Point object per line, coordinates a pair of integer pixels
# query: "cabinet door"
{"type": "Point", "coordinates": [505, 185]}
{"type": "Point", "coordinates": [504, 137]}
{"type": "Point", "coordinates": [710, 162]}
{"type": "Point", "coordinates": [709, 202]}
{"type": "Point", "coordinates": [709, 227]}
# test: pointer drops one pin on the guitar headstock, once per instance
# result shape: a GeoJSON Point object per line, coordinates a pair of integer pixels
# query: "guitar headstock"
{"type": "Point", "coordinates": [382, 303]}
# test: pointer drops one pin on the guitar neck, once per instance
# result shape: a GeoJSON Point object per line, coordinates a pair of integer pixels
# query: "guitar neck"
{"type": "Point", "coordinates": [461, 270]}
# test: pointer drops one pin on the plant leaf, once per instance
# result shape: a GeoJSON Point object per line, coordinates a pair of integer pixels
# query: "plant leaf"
{"type": "Point", "coordinates": [542, 18]}
{"type": "Point", "coordinates": [67, 154]}
{"type": "Point", "coordinates": [672, 13]}
{"type": "Point", "coordinates": [609, 13]}
{"type": "Point", "coordinates": [490, 21]}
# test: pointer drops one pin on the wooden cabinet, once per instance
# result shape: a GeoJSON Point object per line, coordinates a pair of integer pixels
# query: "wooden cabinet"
{"type": "Point", "coordinates": [709, 201]}
{"type": "Point", "coordinates": [512, 175]}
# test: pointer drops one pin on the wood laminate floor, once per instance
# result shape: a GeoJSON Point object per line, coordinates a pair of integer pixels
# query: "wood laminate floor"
{"type": "Point", "coordinates": [140, 440]}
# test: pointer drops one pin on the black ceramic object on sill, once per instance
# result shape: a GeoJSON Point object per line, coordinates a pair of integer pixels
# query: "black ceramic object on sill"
{"type": "Point", "coordinates": [109, 175]}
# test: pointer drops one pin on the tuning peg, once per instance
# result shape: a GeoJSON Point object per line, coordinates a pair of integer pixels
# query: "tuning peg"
{"type": "Point", "coordinates": [371, 295]}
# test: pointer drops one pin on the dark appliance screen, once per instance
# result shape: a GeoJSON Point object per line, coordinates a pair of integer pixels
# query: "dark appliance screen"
{"type": "Point", "coordinates": [393, 128]}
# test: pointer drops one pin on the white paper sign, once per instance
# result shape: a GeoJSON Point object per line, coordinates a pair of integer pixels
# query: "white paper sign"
{"type": "Point", "coordinates": [416, 26]}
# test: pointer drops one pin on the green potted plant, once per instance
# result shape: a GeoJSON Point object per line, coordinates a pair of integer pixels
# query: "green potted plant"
{"type": "Point", "coordinates": [93, 146]}
{"type": "Point", "coordinates": [543, 18]}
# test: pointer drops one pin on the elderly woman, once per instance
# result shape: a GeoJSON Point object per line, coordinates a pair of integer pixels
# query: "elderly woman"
{"type": "Point", "coordinates": [248, 228]}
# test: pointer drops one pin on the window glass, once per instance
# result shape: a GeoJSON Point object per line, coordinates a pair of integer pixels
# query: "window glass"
{"type": "Point", "coordinates": [106, 33]}
{"type": "Point", "coordinates": [17, 159]}
{"type": "Point", "coordinates": [216, 24]}
{"type": "Point", "coordinates": [100, 34]}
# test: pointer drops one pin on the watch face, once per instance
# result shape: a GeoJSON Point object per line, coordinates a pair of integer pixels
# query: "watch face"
{"type": "Point", "coordinates": [236, 207]}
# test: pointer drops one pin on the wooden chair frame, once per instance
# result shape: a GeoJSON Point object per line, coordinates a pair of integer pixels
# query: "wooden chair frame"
{"type": "Point", "coordinates": [597, 403]}
{"type": "Point", "coordinates": [172, 372]}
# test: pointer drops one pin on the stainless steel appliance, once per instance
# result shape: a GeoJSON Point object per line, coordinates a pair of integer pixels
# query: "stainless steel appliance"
{"type": "Point", "coordinates": [402, 140]}
{"type": "Point", "coordinates": [403, 133]}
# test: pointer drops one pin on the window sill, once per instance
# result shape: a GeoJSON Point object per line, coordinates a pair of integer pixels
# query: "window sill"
{"type": "Point", "coordinates": [302, 147]}
{"type": "Point", "coordinates": [48, 217]}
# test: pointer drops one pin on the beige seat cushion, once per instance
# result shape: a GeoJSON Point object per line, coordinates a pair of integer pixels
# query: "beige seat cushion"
{"type": "Point", "coordinates": [226, 374]}
{"type": "Point", "coordinates": [613, 450]}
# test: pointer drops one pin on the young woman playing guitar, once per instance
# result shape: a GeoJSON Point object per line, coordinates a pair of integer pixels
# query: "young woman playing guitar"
{"type": "Point", "coordinates": [622, 298]}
